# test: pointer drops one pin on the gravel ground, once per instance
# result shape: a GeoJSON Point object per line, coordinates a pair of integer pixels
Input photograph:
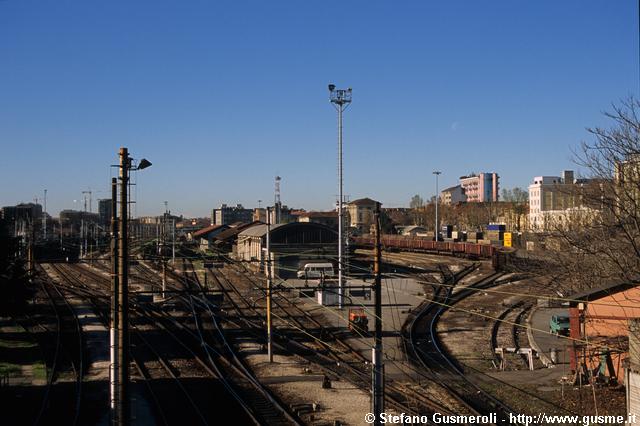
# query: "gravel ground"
{"type": "Point", "coordinates": [466, 331]}
{"type": "Point", "coordinates": [297, 383]}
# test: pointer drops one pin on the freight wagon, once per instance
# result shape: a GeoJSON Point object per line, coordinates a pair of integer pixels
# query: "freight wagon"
{"type": "Point", "coordinates": [425, 244]}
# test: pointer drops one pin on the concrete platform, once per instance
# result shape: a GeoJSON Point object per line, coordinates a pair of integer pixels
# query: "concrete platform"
{"type": "Point", "coordinates": [399, 297]}
{"type": "Point", "coordinates": [546, 379]}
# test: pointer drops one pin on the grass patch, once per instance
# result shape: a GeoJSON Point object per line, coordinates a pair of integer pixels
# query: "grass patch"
{"type": "Point", "coordinates": [10, 344]}
{"type": "Point", "coordinates": [39, 371]}
{"type": "Point", "coordinates": [10, 369]}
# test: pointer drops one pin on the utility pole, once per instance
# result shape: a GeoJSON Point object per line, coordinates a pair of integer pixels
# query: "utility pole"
{"type": "Point", "coordinates": [44, 216]}
{"type": "Point", "coordinates": [340, 99]}
{"type": "Point", "coordinates": [31, 237]}
{"type": "Point", "coordinates": [269, 337]}
{"type": "Point", "coordinates": [81, 238]}
{"type": "Point", "coordinates": [378, 366]}
{"type": "Point", "coordinates": [437, 173]}
{"type": "Point", "coordinates": [173, 242]}
{"type": "Point", "coordinates": [162, 249]}
{"type": "Point", "coordinates": [113, 328]}
{"type": "Point", "coordinates": [123, 409]}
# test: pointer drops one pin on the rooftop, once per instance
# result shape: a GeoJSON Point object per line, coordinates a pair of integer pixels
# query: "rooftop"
{"type": "Point", "coordinates": [206, 230]}
{"type": "Point", "coordinates": [451, 188]}
{"type": "Point", "coordinates": [319, 214]}
{"type": "Point", "coordinates": [362, 202]}
{"type": "Point", "coordinates": [600, 292]}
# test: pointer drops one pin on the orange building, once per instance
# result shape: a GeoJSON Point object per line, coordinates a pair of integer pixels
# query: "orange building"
{"type": "Point", "coordinates": [599, 324]}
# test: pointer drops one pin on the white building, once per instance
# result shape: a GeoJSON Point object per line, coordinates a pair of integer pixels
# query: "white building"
{"type": "Point", "coordinates": [555, 202]}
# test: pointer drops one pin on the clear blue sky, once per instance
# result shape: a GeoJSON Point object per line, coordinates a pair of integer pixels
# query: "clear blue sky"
{"type": "Point", "coordinates": [222, 96]}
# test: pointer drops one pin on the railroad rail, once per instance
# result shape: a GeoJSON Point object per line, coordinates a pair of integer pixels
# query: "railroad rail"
{"type": "Point", "coordinates": [187, 340]}
{"type": "Point", "coordinates": [68, 346]}
{"type": "Point", "coordinates": [516, 311]}
{"type": "Point", "coordinates": [336, 359]}
{"type": "Point", "coordinates": [429, 352]}
{"type": "Point", "coordinates": [255, 399]}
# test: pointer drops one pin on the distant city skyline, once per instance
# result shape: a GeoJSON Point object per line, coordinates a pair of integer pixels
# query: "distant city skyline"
{"type": "Point", "coordinates": [223, 97]}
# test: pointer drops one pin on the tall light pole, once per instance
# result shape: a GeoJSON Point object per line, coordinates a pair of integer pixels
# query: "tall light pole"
{"type": "Point", "coordinates": [340, 99]}
{"type": "Point", "coordinates": [437, 173]}
{"type": "Point", "coordinates": [121, 368]}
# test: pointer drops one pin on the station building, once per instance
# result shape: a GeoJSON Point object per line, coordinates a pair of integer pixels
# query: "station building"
{"type": "Point", "coordinates": [291, 244]}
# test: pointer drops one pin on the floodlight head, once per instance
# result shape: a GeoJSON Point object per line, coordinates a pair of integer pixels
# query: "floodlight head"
{"type": "Point", "coordinates": [332, 87]}
{"type": "Point", "coordinates": [144, 163]}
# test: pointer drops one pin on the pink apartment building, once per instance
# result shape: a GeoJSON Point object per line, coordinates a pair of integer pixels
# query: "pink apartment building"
{"type": "Point", "coordinates": [481, 188]}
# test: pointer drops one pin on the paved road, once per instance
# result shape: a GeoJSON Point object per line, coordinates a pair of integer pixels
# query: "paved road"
{"type": "Point", "coordinates": [542, 337]}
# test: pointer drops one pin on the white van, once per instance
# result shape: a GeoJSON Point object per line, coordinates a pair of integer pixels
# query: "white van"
{"type": "Point", "coordinates": [316, 270]}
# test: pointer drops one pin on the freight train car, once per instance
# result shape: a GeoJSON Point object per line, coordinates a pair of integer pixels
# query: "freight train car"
{"type": "Point", "coordinates": [425, 244]}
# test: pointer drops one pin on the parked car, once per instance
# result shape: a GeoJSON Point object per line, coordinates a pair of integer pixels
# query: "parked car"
{"type": "Point", "coordinates": [559, 325]}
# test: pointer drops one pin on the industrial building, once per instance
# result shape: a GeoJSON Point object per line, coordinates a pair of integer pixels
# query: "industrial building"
{"type": "Point", "coordinates": [104, 211]}
{"type": "Point", "coordinates": [71, 221]}
{"type": "Point", "coordinates": [226, 215]}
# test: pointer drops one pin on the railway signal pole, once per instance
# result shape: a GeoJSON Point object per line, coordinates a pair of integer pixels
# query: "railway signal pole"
{"type": "Point", "coordinates": [340, 99]}
{"type": "Point", "coordinates": [378, 366]}
{"type": "Point", "coordinates": [268, 265]}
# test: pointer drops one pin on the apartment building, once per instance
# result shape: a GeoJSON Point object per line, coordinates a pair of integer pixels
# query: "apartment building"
{"type": "Point", "coordinates": [481, 187]}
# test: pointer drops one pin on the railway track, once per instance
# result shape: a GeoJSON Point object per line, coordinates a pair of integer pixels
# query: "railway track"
{"type": "Point", "coordinates": [154, 371]}
{"type": "Point", "coordinates": [512, 319]}
{"type": "Point", "coordinates": [68, 357]}
{"type": "Point", "coordinates": [183, 367]}
{"type": "Point", "coordinates": [332, 354]}
{"type": "Point", "coordinates": [431, 354]}
{"type": "Point", "coordinates": [259, 404]}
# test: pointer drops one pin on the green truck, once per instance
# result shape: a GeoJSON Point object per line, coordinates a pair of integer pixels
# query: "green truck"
{"type": "Point", "coordinates": [559, 325]}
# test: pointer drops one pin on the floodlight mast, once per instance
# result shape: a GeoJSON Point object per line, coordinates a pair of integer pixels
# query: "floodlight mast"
{"type": "Point", "coordinates": [340, 98]}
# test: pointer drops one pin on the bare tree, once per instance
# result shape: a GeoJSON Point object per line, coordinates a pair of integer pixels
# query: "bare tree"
{"type": "Point", "coordinates": [416, 205]}
{"type": "Point", "coordinates": [597, 237]}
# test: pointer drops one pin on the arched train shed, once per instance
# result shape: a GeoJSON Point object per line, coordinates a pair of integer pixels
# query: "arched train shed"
{"type": "Point", "coordinates": [292, 245]}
